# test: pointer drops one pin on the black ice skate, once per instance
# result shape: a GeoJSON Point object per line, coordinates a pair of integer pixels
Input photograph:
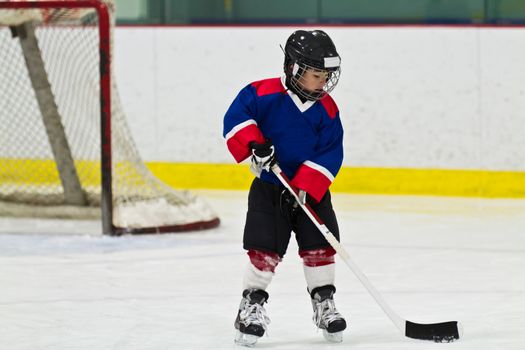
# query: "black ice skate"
{"type": "Point", "coordinates": [251, 321]}
{"type": "Point", "coordinates": [326, 316]}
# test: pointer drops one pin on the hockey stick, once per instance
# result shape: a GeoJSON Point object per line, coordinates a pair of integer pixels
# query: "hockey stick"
{"type": "Point", "coordinates": [438, 332]}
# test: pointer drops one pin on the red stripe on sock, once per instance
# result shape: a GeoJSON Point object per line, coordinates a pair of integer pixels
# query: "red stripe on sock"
{"type": "Point", "coordinates": [318, 257]}
{"type": "Point", "coordinates": [264, 261]}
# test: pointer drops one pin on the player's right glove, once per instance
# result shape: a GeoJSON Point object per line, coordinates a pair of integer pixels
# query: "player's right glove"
{"type": "Point", "coordinates": [263, 156]}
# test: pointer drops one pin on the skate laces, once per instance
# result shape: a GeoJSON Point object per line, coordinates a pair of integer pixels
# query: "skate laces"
{"type": "Point", "coordinates": [325, 313]}
{"type": "Point", "coordinates": [254, 314]}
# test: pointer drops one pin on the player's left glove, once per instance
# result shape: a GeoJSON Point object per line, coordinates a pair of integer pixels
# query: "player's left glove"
{"type": "Point", "coordinates": [289, 203]}
{"type": "Point", "coordinates": [263, 157]}
{"type": "Point", "coordinates": [302, 197]}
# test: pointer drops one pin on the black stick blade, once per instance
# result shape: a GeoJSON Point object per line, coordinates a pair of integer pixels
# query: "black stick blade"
{"type": "Point", "coordinates": [444, 332]}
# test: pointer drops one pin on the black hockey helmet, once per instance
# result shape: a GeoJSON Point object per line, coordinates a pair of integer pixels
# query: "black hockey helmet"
{"type": "Point", "coordinates": [311, 50]}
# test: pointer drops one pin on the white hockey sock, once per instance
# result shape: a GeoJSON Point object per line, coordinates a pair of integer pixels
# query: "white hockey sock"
{"type": "Point", "coordinates": [318, 276]}
{"type": "Point", "coordinates": [319, 267]}
{"type": "Point", "coordinates": [255, 278]}
{"type": "Point", "coordinates": [260, 270]}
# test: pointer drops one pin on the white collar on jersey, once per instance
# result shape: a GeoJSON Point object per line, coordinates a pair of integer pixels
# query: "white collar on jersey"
{"type": "Point", "coordinates": [303, 107]}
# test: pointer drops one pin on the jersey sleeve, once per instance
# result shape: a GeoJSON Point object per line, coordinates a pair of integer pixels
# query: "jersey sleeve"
{"type": "Point", "coordinates": [316, 174]}
{"type": "Point", "coordinates": [240, 126]}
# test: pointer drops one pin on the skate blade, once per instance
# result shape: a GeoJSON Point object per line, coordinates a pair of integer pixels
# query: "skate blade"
{"type": "Point", "coordinates": [248, 340]}
{"type": "Point", "coordinates": [336, 337]}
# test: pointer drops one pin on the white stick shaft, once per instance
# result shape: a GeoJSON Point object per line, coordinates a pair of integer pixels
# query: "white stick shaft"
{"type": "Point", "coordinates": [399, 322]}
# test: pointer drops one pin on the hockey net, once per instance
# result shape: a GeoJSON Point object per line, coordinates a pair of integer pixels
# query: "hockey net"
{"type": "Point", "coordinates": [58, 156]}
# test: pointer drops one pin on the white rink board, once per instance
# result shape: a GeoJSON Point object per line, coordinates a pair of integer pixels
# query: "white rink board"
{"type": "Point", "coordinates": [438, 97]}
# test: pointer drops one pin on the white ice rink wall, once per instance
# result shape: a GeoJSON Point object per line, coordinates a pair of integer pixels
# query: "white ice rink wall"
{"type": "Point", "coordinates": [420, 98]}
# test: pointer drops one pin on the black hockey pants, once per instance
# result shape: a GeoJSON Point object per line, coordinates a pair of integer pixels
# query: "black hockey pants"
{"type": "Point", "coordinates": [272, 216]}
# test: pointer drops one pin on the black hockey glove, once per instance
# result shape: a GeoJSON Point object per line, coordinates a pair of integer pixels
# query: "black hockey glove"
{"type": "Point", "coordinates": [263, 157]}
{"type": "Point", "coordinates": [302, 198]}
{"type": "Point", "coordinates": [289, 205]}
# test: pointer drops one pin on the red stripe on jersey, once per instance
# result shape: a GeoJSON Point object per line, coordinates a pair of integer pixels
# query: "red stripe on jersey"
{"type": "Point", "coordinates": [312, 181]}
{"type": "Point", "coordinates": [268, 86]}
{"type": "Point", "coordinates": [264, 261]}
{"type": "Point", "coordinates": [318, 257]}
{"type": "Point", "coordinates": [238, 143]}
{"type": "Point", "coordinates": [330, 106]}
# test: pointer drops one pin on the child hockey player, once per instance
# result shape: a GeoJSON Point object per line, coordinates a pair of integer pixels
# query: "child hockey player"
{"type": "Point", "coordinates": [294, 121]}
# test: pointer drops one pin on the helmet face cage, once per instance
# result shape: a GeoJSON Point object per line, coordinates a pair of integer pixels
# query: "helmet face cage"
{"type": "Point", "coordinates": [297, 72]}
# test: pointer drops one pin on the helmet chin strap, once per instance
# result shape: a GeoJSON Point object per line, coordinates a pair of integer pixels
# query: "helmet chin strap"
{"type": "Point", "coordinates": [295, 69]}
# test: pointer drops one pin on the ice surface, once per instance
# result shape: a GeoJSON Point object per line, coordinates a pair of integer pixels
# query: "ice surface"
{"type": "Point", "coordinates": [65, 286]}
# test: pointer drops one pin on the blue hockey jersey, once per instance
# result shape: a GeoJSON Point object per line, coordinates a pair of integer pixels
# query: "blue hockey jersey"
{"type": "Point", "coordinates": [308, 137]}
